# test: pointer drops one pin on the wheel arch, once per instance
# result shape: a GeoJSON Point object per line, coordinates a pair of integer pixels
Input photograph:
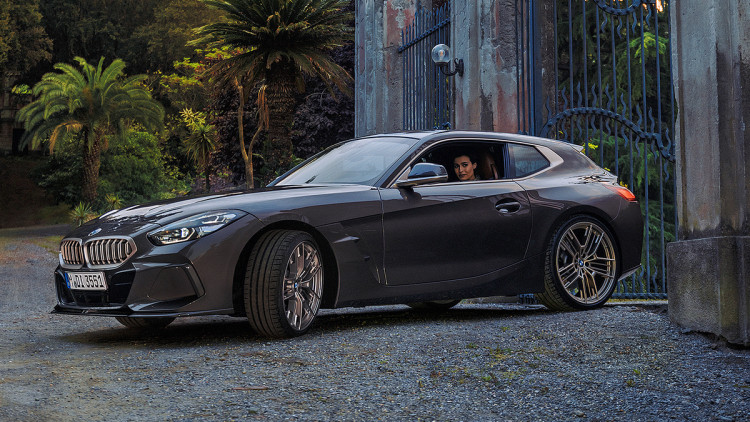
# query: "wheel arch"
{"type": "Point", "coordinates": [331, 279]}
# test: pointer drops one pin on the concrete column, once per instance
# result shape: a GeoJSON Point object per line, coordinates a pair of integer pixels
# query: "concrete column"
{"type": "Point", "coordinates": [8, 111]}
{"type": "Point", "coordinates": [708, 270]}
{"type": "Point", "coordinates": [378, 75]}
{"type": "Point", "coordinates": [483, 35]}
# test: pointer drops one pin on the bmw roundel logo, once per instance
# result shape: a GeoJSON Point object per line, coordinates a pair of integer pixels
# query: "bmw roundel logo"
{"type": "Point", "coordinates": [94, 232]}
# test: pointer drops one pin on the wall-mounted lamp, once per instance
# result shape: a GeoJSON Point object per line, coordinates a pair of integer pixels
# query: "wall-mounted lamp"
{"type": "Point", "coordinates": [441, 55]}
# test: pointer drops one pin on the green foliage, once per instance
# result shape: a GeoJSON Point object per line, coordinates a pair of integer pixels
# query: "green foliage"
{"type": "Point", "coordinates": [112, 202]}
{"type": "Point", "coordinates": [82, 213]}
{"type": "Point", "coordinates": [166, 35]}
{"type": "Point", "coordinates": [132, 171]}
{"type": "Point", "coordinates": [61, 175]}
{"type": "Point", "coordinates": [275, 44]}
{"type": "Point", "coordinates": [629, 56]}
{"type": "Point", "coordinates": [94, 104]}
{"type": "Point", "coordinates": [186, 87]}
{"type": "Point", "coordinates": [200, 144]}
{"type": "Point", "coordinates": [23, 42]}
{"type": "Point", "coordinates": [96, 28]}
{"type": "Point", "coordinates": [272, 32]}
{"type": "Point", "coordinates": [21, 89]}
{"type": "Point", "coordinates": [95, 99]}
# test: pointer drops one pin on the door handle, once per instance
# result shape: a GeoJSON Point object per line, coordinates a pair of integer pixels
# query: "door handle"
{"type": "Point", "coordinates": [507, 206]}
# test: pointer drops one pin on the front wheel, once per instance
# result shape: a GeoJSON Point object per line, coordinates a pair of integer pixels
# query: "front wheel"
{"type": "Point", "coordinates": [581, 266]}
{"type": "Point", "coordinates": [283, 283]}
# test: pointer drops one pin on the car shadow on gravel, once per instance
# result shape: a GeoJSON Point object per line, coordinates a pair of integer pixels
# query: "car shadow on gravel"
{"type": "Point", "coordinates": [189, 332]}
{"type": "Point", "coordinates": [403, 317]}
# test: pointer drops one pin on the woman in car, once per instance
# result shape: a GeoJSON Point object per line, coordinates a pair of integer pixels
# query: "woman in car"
{"type": "Point", "coordinates": [465, 166]}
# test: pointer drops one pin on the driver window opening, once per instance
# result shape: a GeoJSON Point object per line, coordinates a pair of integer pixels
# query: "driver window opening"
{"type": "Point", "coordinates": [487, 157]}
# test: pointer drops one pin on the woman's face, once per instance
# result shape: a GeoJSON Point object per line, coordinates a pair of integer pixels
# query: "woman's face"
{"type": "Point", "coordinates": [464, 168]}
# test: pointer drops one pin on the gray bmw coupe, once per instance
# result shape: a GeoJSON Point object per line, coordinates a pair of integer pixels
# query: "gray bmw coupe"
{"type": "Point", "coordinates": [424, 219]}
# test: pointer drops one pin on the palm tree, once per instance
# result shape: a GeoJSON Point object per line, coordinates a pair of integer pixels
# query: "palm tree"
{"type": "Point", "coordinates": [200, 143]}
{"type": "Point", "coordinates": [94, 104]}
{"type": "Point", "coordinates": [277, 42]}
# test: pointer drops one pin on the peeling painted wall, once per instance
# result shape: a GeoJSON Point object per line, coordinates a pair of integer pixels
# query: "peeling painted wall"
{"type": "Point", "coordinates": [483, 34]}
{"type": "Point", "coordinates": [378, 74]}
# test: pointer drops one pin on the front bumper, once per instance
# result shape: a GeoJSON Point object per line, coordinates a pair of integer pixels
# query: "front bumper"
{"type": "Point", "coordinates": [138, 290]}
{"type": "Point", "coordinates": [190, 278]}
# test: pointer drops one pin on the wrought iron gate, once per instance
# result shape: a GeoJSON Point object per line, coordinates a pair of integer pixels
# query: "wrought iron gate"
{"type": "Point", "coordinates": [610, 90]}
{"type": "Point", "coordinates": [427, 92]}
{"type": "Point", "coordinates": [606, 86]}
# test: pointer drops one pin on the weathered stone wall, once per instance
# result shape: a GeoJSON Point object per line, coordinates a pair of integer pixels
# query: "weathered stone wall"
{"type": "Point", "coordinates": [708, 269]}
{"type": "Point", "coordinates": [378, 75]}
{"type": "Point", "coordinates": [483, 35]}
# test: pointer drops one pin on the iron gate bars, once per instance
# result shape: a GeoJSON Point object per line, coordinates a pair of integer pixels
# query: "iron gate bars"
{"type": "Point", "coordinates": [427, 92]}
{"type": "Point", "coordinates": [610, 90]}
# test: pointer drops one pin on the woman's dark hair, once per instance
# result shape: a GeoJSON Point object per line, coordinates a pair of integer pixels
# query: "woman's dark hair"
{"type": "Point", "coordinates": [472, 156]}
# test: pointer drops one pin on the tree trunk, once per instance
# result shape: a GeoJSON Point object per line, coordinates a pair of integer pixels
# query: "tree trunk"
{"type": "Point", "coordinates": [280, 97]}
{"type": "Point", "coordinates": [91, 162]}
{"type": "Point", "coordinates": [207, 170]}
{"type": "Point", "coordinates": [246, 157]}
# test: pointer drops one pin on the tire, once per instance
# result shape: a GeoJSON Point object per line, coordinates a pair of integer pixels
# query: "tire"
{"type": "Point", "coordinates": [283, 283]}
{"type": "Point", "coordinates": [435, 305]}
{"type": "Point", "coordinates": [581, 266]}
{"type": "Point", "coordinates": [145, 323]}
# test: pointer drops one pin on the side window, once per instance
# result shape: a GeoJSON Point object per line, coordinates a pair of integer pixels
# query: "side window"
{"type": "Point", "coordinates": [525, 160]}
{"type": "Point", "coordinates": [488, 157]}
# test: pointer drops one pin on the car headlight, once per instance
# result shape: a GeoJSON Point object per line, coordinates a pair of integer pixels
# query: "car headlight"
{"type": "Point", "coordinates": [194, 227]}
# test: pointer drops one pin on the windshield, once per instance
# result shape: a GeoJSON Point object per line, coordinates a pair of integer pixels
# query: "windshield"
{"type": "Point", "coordinates": [362, 161]}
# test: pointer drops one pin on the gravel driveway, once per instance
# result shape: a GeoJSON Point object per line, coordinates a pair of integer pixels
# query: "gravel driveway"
{"type": "Point", "coordinates": [492, 362]}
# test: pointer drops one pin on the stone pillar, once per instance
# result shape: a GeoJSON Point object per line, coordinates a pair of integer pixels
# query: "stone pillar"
{"type": "Point", "coordinates": [708, 269]}
{"type": "Point", "coordinates": [483, 35]}
{"type": "Point", "coordinates": [8, 111]}
{"type": "Point", "coordinates": [378, 76]}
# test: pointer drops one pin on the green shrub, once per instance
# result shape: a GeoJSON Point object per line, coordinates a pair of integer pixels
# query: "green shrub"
{"type": "Point", "coordinates": [132, 170]}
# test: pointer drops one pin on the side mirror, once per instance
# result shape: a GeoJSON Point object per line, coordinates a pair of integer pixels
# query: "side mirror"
{"type": "Point", "coordinates": [424, 173]}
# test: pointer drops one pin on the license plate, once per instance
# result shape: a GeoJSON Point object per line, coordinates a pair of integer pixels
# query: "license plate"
{"type": "Point", "coordinates": [86, 281]}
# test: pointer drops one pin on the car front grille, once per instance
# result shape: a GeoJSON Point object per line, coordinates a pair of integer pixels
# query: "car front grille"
{"type": "Point", "coordinates": [107, 252]}
{"type": "Point", "coordinates": [71, 253]}
{"type": "Point", "coordinates": [99, 253]}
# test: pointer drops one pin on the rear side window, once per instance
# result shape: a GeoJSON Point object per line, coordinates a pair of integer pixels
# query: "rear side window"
{"type": "Point", "coordinates": [525, 160]}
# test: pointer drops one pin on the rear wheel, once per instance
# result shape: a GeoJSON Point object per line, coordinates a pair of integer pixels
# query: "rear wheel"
{"type": "Point", "coordinates": [146, 323]}
{"type": "Point", "coordinates": [283, 283]}
{"type": "Point", "coordinates": [581, 266]}
{"type": "Point", "coordinates": [434, 305]}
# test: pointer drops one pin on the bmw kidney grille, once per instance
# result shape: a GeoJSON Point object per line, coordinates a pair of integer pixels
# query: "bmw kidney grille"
{"type": "Point", "coordinates": [99, 253]}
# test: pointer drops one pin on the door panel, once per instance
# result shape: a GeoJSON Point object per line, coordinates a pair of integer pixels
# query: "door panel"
{"type": "Point", "coordinates": [453, 230]}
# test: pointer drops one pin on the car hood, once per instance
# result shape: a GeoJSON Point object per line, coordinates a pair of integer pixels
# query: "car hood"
{"type": "Point", "coordinates": [139, 218]}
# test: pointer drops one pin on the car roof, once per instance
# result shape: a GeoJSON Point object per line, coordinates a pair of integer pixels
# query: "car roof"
{"type": "Point", "coordinates": [476, 135]}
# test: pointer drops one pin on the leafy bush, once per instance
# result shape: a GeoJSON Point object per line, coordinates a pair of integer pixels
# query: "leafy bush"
{"type": "Point", "coordinates": [132, 170]}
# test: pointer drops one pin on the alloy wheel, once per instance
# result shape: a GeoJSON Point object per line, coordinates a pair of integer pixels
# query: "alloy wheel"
{"type": "Point", "coordinates": [585, 262]}
{"type": "Point", "coordinates": [303, 285]}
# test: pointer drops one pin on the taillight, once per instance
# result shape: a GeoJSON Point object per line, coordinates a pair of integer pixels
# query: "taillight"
{"type": "Point", "coordinates": [622, 191]}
